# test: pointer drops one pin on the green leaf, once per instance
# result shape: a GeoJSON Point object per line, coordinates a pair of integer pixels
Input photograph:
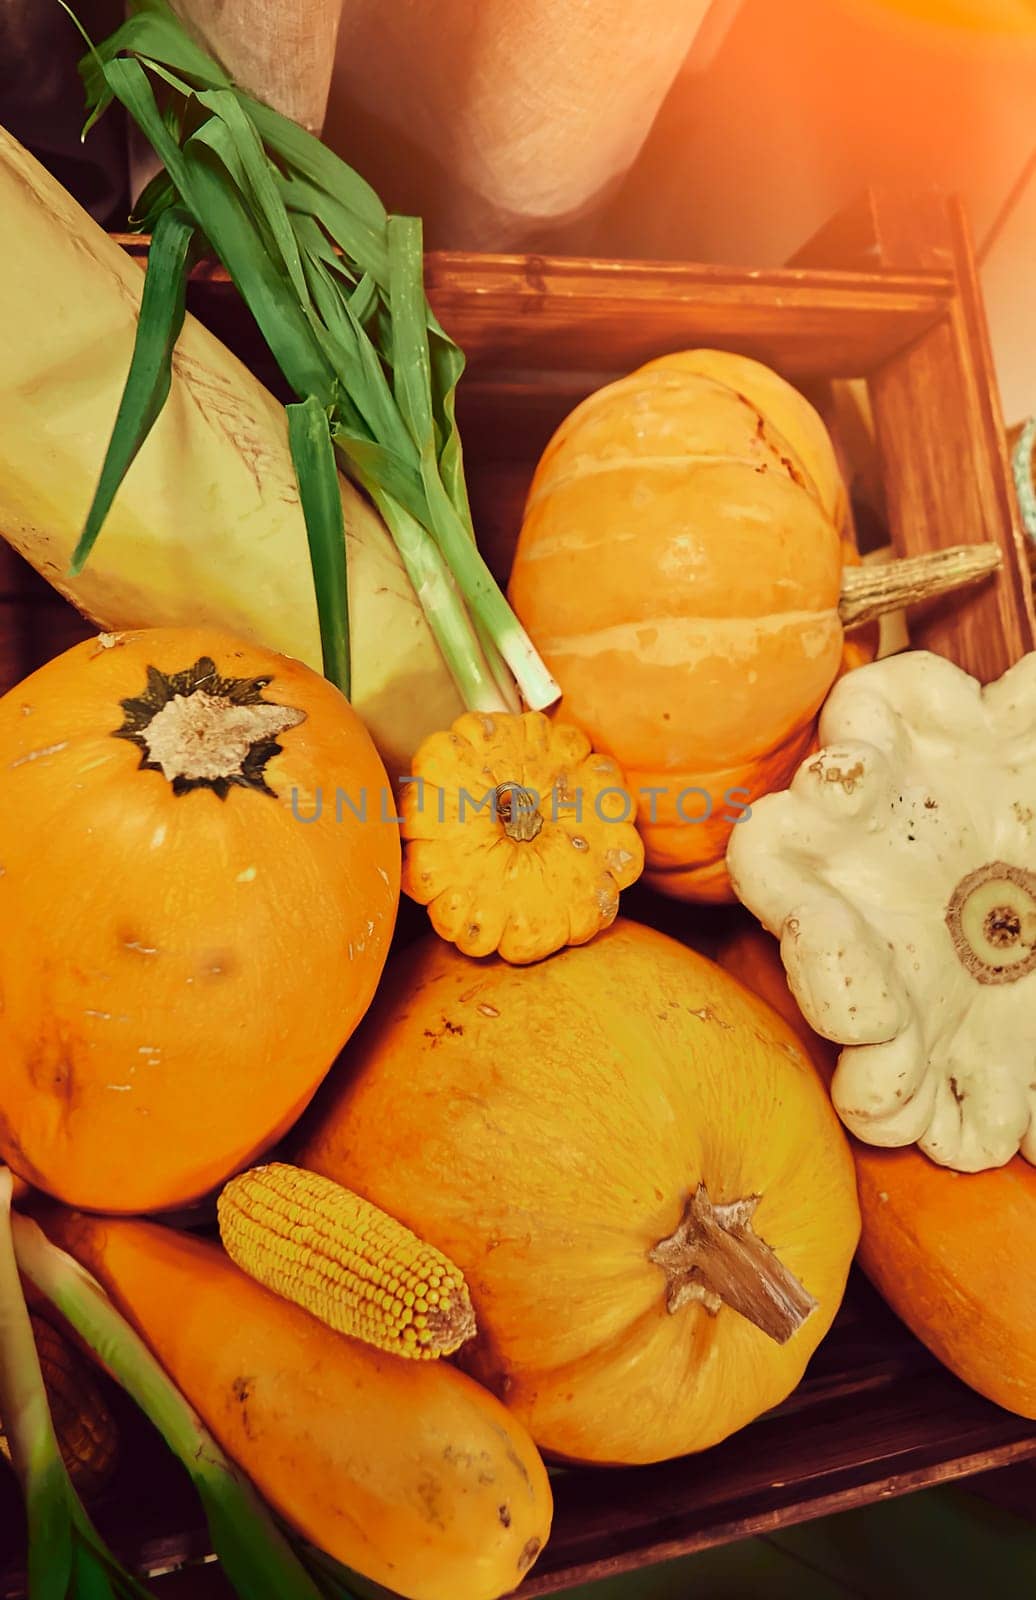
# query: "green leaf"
{"type": "Point", "coordinates": [225, 219]}
{"type": "Point", "coordinates": [156, 33]}
{"type": "Point", "coordinates": [128, 82]}
{"type": "Point", "coordinates": [361, 242]}
{"type": "Point", "coordinates": [410, 355]}
{"type": "Point", "coordinates": [447, 369]}
{"type": "Point", "coordinates": [156, 197]}
{"type": "Point", "coordinates": [358, 365]}
{"type": "Point", "coordinates": [363, 299]}
{"type": "Point", "coordinates": [337, 290]}
{"type": "Point", "coordinates": [162, 309]}
{"type": "Point", "coordinates": [221, 214]}
{"type": "Point", "coordinates": [313, 160]}
{"type": "Point", "coordinates": [412, 369]}
{"type": "Point", "coordinates": [374, 463]}
{"type": "Point", "coordinates": [254, 175]}
{"type": "Point", "coordinates": [50, 1529]}
{"type": "Point", "coordinates": [313, 453]}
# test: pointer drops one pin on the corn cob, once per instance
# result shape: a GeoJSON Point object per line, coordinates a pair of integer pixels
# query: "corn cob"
{"type": "Point", "coordinates": [345, 1261]}
{"type": "Point", "coordinates": [84, 1426]}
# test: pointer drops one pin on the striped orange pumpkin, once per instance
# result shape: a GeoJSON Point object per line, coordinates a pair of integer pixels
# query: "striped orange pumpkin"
{"type": "Point", "coordinates": [679, 568]}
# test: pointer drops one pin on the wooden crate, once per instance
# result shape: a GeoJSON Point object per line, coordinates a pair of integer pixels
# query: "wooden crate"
{"type": "Point", "coordinates": [887, 294]}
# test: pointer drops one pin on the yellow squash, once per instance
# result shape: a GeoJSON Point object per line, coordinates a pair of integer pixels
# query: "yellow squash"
{"type": "Point", "coordinates": [519, 837]}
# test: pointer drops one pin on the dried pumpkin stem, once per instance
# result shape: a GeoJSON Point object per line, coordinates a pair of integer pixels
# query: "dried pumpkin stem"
{"type": "Point", "coordinates": [203, 731]}
{"type": "Point", "coordinates": [877, 591]}
{"type": "Point", "coordinates": [518, 812]}
{"type": "Point", "coordinates": [716, 1259]}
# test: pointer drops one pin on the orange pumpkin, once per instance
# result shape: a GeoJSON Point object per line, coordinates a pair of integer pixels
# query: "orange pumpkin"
{"type": "Point", "coordinates": [633, 1165]}
{"type": "Point", "coordinates": [679, 568]}
{"type": "Point", "coordinates": [185, 944]}
{"type": "Point", "coordinates": [950, 1252]}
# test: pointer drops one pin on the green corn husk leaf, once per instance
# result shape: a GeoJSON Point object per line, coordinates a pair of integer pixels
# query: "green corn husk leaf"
{"type": "Point", "coordinates": [162, 310]}
{"type": "Point", "coordinates": [316, 469]}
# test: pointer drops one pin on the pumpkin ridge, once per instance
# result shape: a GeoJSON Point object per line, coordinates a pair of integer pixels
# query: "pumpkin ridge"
{"type": "Point", "coordinates": [643, 378]}
{"type": "Point", "coordinates": [622, 635]}
{"type": "Point", "coordinates": [691, 459]}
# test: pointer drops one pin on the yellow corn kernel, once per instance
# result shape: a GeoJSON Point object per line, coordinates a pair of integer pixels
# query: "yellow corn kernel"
{"type": "Point", "coordinates": [83, 1425]}
{"type": "Point", "coordinates": [346, 1262]}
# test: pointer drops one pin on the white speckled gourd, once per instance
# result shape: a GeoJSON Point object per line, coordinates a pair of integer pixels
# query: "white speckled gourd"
{"type": "Point", "coordinates": [899, 872]}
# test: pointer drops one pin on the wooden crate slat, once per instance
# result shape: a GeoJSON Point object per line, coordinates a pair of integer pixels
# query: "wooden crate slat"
{"type": "Point", "coordinates": [32, 631]}
{"type": "Point", "coordinates": [556, 313]}
{"type": "Point", "coordinates": [940, 430]}
{"type": "Point", "coordinates": [779, 1472]}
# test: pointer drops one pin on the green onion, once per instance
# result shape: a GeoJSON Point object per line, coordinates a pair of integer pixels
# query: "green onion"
{"type": "Point", "coordinates": [162, 311]}
{"type": "Point", "coordinates": [314, 456]}
{"type": "Point", "coordinates": [255, 1555]}
{"type": "Point", "coordinates": [336, 287]}
{"type": "Point", "coordinates": [67, 1557]}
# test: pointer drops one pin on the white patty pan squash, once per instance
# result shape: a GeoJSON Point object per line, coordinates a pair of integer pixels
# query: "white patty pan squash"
{"type": "Point", "coordinates": [899, 873]}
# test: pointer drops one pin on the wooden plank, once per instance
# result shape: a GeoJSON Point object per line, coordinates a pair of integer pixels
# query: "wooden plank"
{"type": "Point", "coordinates": [559, 313]}
{"type": "Point", "coordinates": [940, 430]}
{"type": "Point", "coordinates": [802, 324]}
{"type": "Point", "coordinates": [777, 1473]}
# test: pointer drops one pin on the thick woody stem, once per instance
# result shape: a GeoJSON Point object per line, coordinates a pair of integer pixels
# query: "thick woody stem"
{"type": "Point", "coordinates": [870, 592]}
{"type": "Point", "coordinates": [991, 917]}
{"type": "Point", "coordinates": [716, 1259]}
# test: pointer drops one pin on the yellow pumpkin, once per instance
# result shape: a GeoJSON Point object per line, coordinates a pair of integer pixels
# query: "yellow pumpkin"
{"type": "Point", "coordinates": [518, 836]}
{"type": "Point", "coordinates": [190, 927]}
{"type": "Point", "coordinates": [679, 568]}
{"type": "Point", "coordinates": [632, 1162]}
